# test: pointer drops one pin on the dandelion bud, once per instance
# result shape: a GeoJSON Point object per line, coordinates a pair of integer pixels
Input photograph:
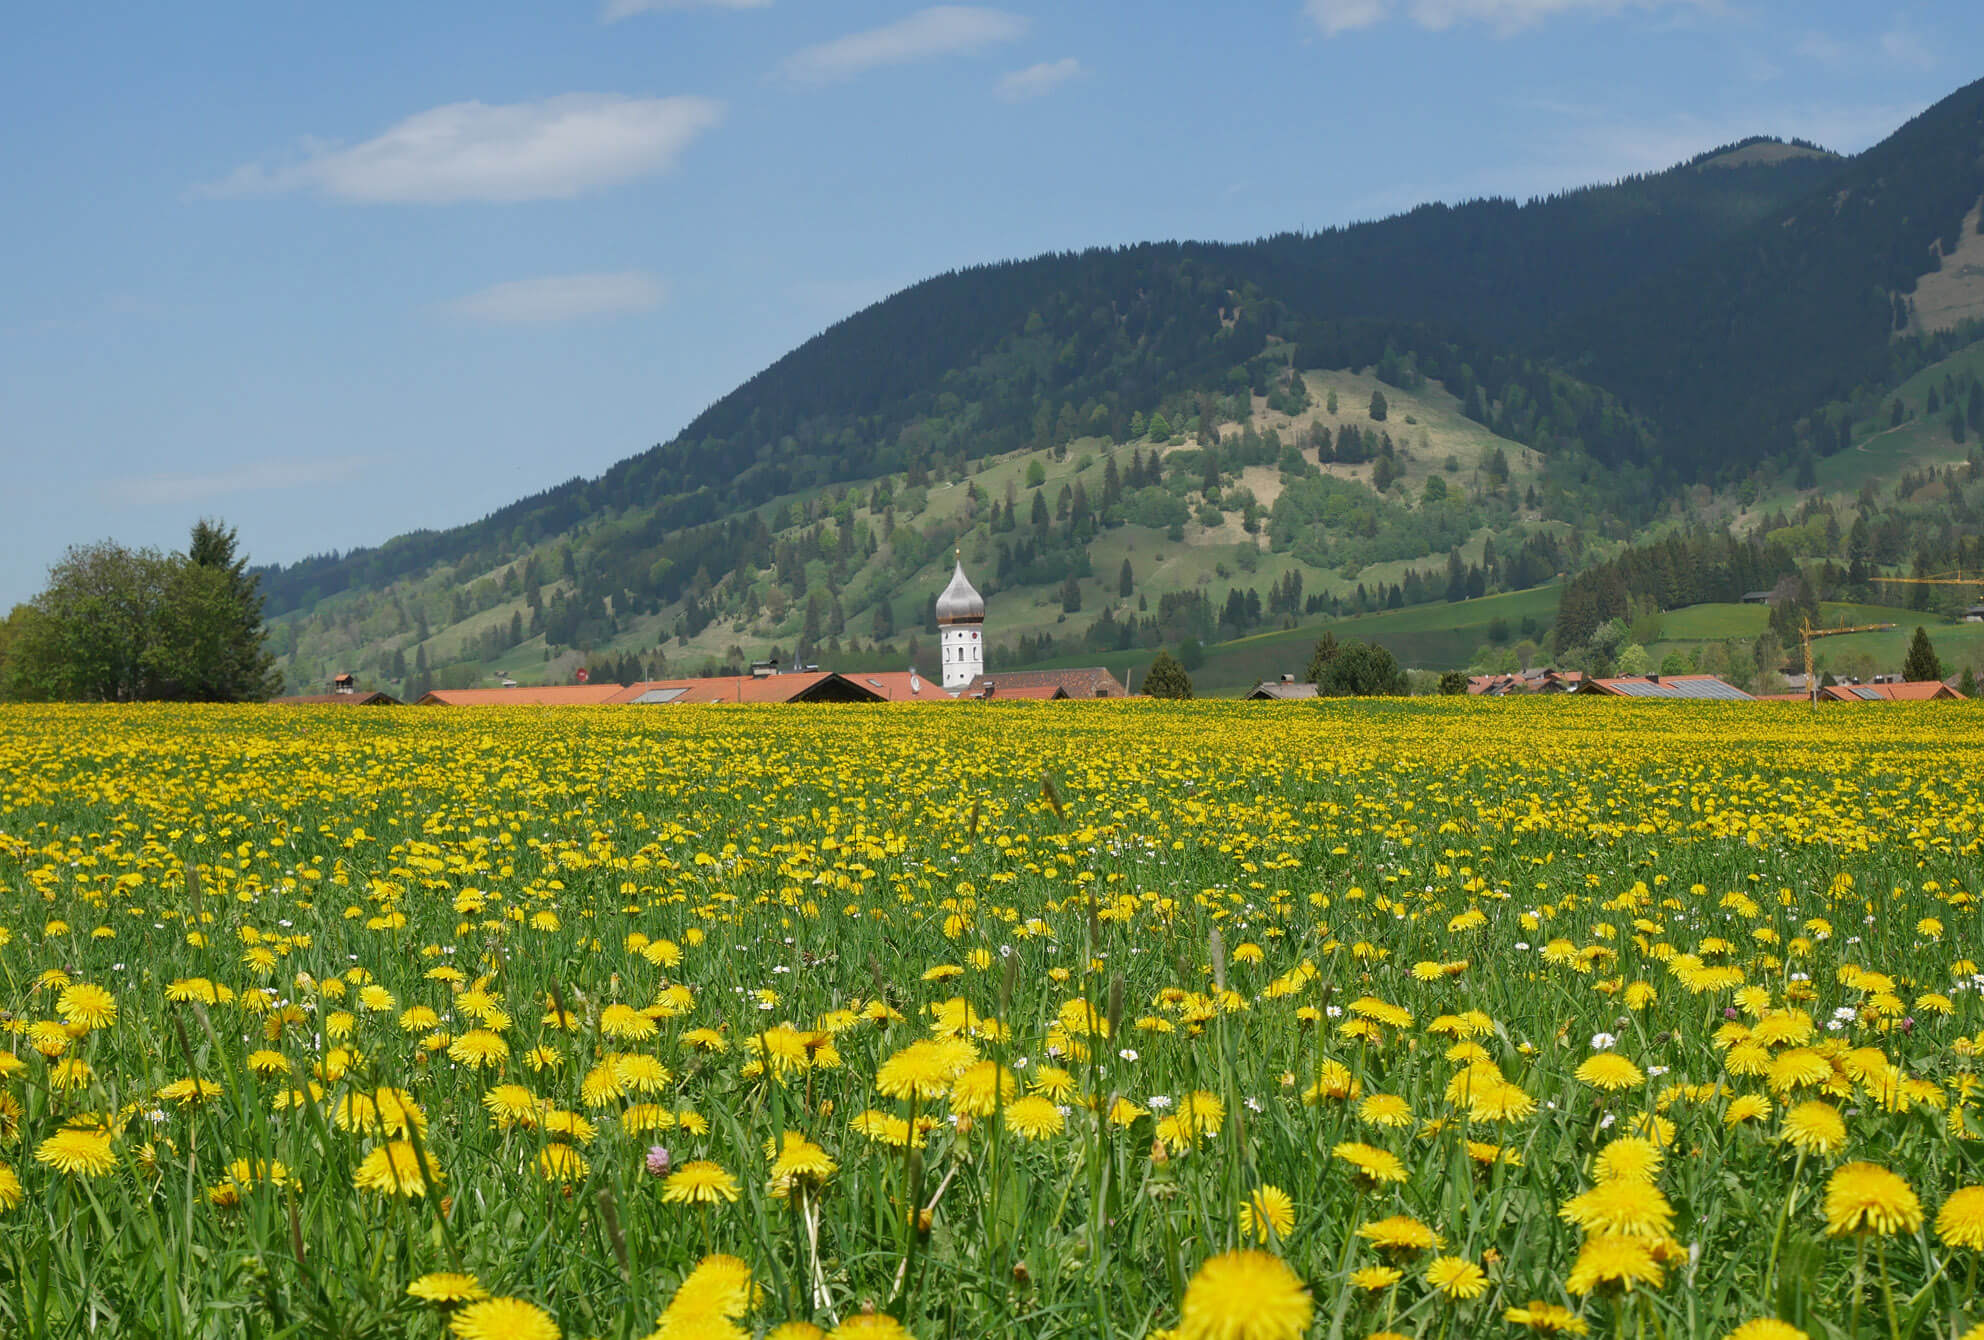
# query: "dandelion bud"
{"type": "Point", "coordinates": [923, 1221]}
{"type": "Point", "coordinates": [658, 1160]}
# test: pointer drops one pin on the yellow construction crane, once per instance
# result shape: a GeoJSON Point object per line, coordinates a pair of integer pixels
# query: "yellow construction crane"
{"type": "Point", "coordinates": [1805, 635]}
{"type": "Point", "coordinates": [1958, 580]}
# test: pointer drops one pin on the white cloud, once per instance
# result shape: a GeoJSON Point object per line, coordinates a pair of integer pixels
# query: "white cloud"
{"type": "Point", "coordinates": [1823, 49]}
{"type": "Point", "coordinates": [1342, 16]}
{"type": "Point", "coordinates": [617, 10]}
{"type": "Point", "coordinates": [256, 476]}
{"type": "Point", "coordinates": [1036, 80]}
{"type": "Point", "coordinates": [1903, 47]}
{"type": "Point", "coordinates": [936, 31]}
{"type": "Point", "coordinates": [561, 298]}
{"type": "Point", "coordinates": [1505, 16]}
{"type": "Point", "coordinates": [549, 150]}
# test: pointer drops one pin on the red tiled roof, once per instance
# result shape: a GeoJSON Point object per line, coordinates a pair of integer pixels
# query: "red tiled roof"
{"type": "Point", "coordinates": [1041, 693]}
{"type": "Point", "coordinates": [1089, 681]}
{"type": "Point", "coordinates": [815, 684]}
{"type": "Point", "coordinates": [1921, 691]}
{"type": "Point", "coordinates": [372, 699]}
{"type": "Point", "coordinates": [548, 695]}
{"type": "Point", "coordinates": [895, 686]}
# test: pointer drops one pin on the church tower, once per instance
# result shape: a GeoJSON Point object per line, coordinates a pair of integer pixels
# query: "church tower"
{"type": "Point", "coordinates": [961, 625]}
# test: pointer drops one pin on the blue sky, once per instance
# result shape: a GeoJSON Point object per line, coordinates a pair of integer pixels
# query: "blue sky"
{"type": "Point", "coordinates": [333, 272]}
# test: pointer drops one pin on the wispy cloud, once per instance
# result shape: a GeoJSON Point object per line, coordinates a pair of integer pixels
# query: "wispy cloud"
{"type": "Point", "coordinates": [254, 477]}
{"type": "Point", "coordinates": [1901, 46]}
{"type": "Point", "coordinates": [1824, 49]}
{"type": "Point", "coordinates": [1504, 16]}
{"type": "Point", "coordinates": [549, 150]}
{"type": "Point", "coordinates": [561, 298]}
{"type": "Point", "coordinates": [1036, 80]}
{"type": "Point", "coordinates": [938, 31]}
{"type": "Point", "coordinates": [1342, 16]}
{"type": "Point", "coordinates": [617, 10]}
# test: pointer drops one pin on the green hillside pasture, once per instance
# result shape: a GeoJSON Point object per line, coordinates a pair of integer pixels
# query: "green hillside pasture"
{"type": "Point", "coordinates": [1438, 636]}
{"type": "Point", "coordinates": [1958, 644]}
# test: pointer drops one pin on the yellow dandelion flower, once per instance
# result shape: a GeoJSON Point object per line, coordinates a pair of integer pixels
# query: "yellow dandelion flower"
{"type": "Point", "coordinates": [1611, 1261]}
{"type": "Point", "coordinates": [1867, 1198]}
{"type": "Point", "coordinates": [1610, 1071]}
{"type": "Point", "coordinates": [1767, 1328]}
{"type": "Point", "coordinates": [924, 1069]}
{"type": "Point", "coordinates": [394, 1169]}
{"type": "Point", "coordinates": [1385, 1109]}
{"type": "Point", "coordinates": [871, 1326]}
{"type": "Point", "coordinates": [1400, 1233]}
{"type": "Point", "coordinates": [982, 1086]}
{"type": "Point", "coordinates": [511, 1105]}
{"type": "Point", "coordinates": [1546, 1318]}
{"type": "Point", "coordinates": [1746, 1108]}
{"type": "Point", "coordinates": [1960, 1223]}
{"type": "Point", "coordinates": [479, 1047]}
{"type": "Point", "coordinates": [1630, 1157]}
{"type": "Point", "coordinates": [1269, 1211]}
{"type": "Point", "coordinates": [1457, 1277]}
{"type": "Point", "coordinates": [700, 1182]}
{"type": "Point", "coordinates": [503, 1319]}
{"type": "Point", "coordinates": [76, 1152]}
{"type": "Point", "coordinates": [1034, 1117]}
{"type": "Point", "coordinates": [1627, 1206]}
{"type": "Point", "coordinates": [641, 1074]}
{"type": "Point", "coordinates": [624, 1023]}
{"type": "Point", "coordinates": [87, 1005]}
{"type": "Point", "coordinates": [1372, 1279]}
{"type": "Point", "coordinates": [641, 1118]}
{"type": "Point", "coordinates": [1244, 1295]}
{"type": "Point", "coordinates": [1814, 1127]}
{"type": "Point", "coordinates": [799, 1160]}
{"type": "Point", "coordinates": [1373, 1166]}
{"type": "Point", "coordinates": [1054, 1082]}
{"type": "Point", "coordinates": [448, 1288]}
{"type": "Point", "coordinates": [559, 1162]}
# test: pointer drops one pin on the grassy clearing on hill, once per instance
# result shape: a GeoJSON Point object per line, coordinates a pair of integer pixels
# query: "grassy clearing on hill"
{"type": "Point", "coordinates": [354, 630]}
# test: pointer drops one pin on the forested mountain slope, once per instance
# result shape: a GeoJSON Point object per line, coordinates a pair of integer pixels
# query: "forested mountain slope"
{"type": "Point", "coordinates": [1604, 362]}
{"type": "Point", "coordinates": [1001, 356]}
{"type": "Point", "coordinates": [1728, 349]}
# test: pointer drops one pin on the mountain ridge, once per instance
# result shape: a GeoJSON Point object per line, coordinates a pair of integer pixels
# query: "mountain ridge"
{"type": "Point", "coordinates": [1604, 335]}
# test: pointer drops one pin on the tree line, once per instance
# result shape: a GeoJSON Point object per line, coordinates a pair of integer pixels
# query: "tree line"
{"type": "Point", "coordinates": [130, 625]}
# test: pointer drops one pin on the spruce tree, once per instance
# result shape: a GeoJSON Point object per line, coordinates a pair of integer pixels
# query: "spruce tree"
{"type": "Point", "coordinates": [1320, 658]}
{"type": "Point", "coordinates": [244, 670]}
{"type": "Point", "coordinates": [1922, 664]}
{"type": "Point", "coordinates": [1167, 678]}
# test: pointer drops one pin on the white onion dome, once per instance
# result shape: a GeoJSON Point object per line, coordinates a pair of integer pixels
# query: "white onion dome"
{"type": "Point", "coordinates": [960, 602]}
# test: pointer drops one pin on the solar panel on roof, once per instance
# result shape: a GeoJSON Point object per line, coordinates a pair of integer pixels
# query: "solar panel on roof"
{"type": "Point", "coordinates": [660, 696]}
{"type": "Point", "coordinates": [1685, 688]}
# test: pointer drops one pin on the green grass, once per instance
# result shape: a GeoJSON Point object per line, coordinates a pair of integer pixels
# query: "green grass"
{"type": "Point", "coordinates": [1186, 953]}
{"type": "Point", "coordinates": [1436, 636]}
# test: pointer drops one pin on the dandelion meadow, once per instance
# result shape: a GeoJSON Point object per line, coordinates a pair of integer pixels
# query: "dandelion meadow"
{"type": "Point", "coordinates": [1118, 1019]}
